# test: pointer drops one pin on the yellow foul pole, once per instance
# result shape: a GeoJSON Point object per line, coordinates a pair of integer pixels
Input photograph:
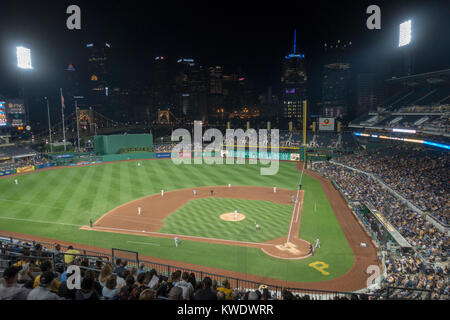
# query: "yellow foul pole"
{"type": "Point", "coordinates": [304, 123]}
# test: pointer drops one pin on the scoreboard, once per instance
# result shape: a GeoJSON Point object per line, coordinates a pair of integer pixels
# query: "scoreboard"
{"type": "Point", "coordinates": [12, 114]}
{"type": "Point", "coordinates": [3, 120]}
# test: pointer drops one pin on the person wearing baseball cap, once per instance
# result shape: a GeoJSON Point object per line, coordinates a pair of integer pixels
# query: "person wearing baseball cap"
{"type": "Point", "coordinates": [9, 289]}
{"type": "Point", "coordinates": [43, 291]}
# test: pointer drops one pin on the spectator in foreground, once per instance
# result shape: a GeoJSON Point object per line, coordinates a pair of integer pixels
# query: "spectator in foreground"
{"type": "Point", "coordinates": [206, 293]}
{"type": "Point", "coordinates": [148, 294]}
{"type": "Point", "coordinates": [110, 290]}
{"type": "Point", "coordinates": [70, 255]}
{"type": "Point", "coordinates": [105, 273]}
{"type": "Point", "coordinates": [9, 289]}
{"type": "Point", "coordinates": [87, 290]}
{"type": "Point", "coordinates": [225, 288]}
{"type": "Point", "coordinates": [188, 289]}
{"type": "Point", "coordinates": [47, 266]}
{"type": "Point", "coordinates": [176, 293]}
{"type": "Point", "coordinates": [43, 291]}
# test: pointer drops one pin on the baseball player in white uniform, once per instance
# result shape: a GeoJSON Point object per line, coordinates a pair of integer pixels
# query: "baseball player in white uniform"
{"type": "Point", "coordinates": [274, 189]}
{"type": "Point", "coordinates": [317, 243]}
{"type": "Point", "coordinates": [15, 181]}
{"type": "Point", "coordinates": [195, 192]}
{"type": "Point", "coordinates": [256, 225]}
{"type": "Point", "coordinates": [139, 164]}
{"type": "Point", "coordinates": [176, 241]}
{"type": "Point", "coordinates": [229, 185]}
{"type": "Point", "coordinates": [139, 210]}
{"type": "Point", "coordinates": [162, 193]}
{"type": "Point", "coordinates": [235, 214]}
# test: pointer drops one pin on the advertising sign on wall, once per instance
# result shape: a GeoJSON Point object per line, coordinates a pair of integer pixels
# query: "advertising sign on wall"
{"type": "Point", "coordinates": [326, 124]}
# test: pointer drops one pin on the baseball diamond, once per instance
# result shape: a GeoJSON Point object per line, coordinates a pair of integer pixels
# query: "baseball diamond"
{"type": "Point", "coordinates": [57, 204]}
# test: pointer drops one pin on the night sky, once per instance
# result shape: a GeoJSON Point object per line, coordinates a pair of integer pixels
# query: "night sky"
{"type": "Point", "coordinates": [252, 36]}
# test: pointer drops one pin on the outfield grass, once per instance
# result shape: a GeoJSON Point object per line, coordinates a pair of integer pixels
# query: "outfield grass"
{"type": "Point", "coordinates": [201, 218]}
{"type": "Point", "coordinates": [55, 203]}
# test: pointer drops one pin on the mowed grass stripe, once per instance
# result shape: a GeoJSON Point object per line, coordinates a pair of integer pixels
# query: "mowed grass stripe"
{"type": "Point", "coordinates": [135, 180]}
{"type": "Point", "coordinates": [73, 189]}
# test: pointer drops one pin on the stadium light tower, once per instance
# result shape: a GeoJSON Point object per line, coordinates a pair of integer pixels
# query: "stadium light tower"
{"type": "Point", "coordinates": [23, 63]}
{"type": "Point", "coordinates": [24, 58]}
{"type": "Point", "coordinates": [405, 33]}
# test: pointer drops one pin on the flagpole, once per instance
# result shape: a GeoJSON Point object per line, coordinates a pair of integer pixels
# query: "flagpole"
{"type": "Point", "coordinates": [62, 116]}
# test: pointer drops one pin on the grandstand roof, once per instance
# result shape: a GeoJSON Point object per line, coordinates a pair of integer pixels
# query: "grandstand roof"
{"type": "Point", "coordinates": [435, 77]}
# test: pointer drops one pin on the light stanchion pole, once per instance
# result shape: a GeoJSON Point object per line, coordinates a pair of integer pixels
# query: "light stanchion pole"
{"type": "Point", "coordinates": [78, 125]}
{"type": "Point", "coordinates": [49, 126]}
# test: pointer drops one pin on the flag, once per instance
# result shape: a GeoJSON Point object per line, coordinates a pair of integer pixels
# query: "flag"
{"type": "Point", "coordinates": [62, 100]}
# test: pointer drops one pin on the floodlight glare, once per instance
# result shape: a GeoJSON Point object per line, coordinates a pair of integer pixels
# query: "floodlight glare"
{"type": "Point", "coordinates": [405, 33]}
{"type": "Point", "coordinates": [24, 58]}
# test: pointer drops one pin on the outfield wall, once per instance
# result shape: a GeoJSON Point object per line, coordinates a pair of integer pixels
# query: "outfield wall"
{"type": "Point", "coordinates": [129, 156]}
{"type": "Point", "coordinates": [112, 144]}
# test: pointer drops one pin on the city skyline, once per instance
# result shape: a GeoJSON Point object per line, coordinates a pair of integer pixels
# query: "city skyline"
{"type": "Point", "coordinates": [251, 39]}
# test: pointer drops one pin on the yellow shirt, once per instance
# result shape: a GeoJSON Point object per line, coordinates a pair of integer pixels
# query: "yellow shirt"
{"type": "Point", "coordinates": [68, 258]}
{"type": "Point", "coordinates": [227, 292]}
{"type": "Point", "coordinates": [54, 286]}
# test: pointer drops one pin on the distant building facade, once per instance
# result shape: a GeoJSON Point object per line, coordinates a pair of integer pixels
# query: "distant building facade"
{"type": "Point", "coordinates": [337, 80]}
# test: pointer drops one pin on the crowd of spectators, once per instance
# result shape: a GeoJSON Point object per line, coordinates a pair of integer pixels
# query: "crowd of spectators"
{"type": "Point", "coordinates": [420, 176]}
{"type": "Point", "coordinates": [23, 162]}
{"type": "Point", "coordinates": [34, 275]}
{"type": "Point", "coordinates": [428, 242]}
{"type": "Point", "coordinates": [407, 271]}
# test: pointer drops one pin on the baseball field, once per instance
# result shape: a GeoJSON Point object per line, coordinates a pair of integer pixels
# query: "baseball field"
{"type": "Point", "coordinates": [59, 203]}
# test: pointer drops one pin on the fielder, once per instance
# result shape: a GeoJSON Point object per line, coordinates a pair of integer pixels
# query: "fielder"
{"type": "Point", "coordinates": [311, 249]}
{"type": "Point", "coordinates": [256, 225]}
{"type": "Point", "coordinates": [139, 164]}
{"type": "Point", "coordinates": [317, 243]}
{"type": "Point", "coordinates": [235, 214]}
{"type": "Point", "coordinates": [139, 210]}
{"type": "Point", "coordinates": [90, 223]}
{"type": "Point", "coordinates": [274, 189]}
{"type": "Point", "coordinates": [176, 241]}
{"type": "Point", "coordinates": [195, 192]}
{"type": "Point", "coordinates": [293, 198]}
{"type": "Point", "coordinates": [229, 185]}
{"type": "Point", "coordinates": [15, 181]}
{"type": "Point", "coordinates": [162, 193]}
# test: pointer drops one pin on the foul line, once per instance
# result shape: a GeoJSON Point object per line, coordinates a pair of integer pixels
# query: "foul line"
{"type": "Point", "coordinates": [184, 236]}
{"type": "Point", "coordinates": [45, 206]}
{"type": "Point", "coordinates": [293, 215]}
{"type": "Point", "coordinates": [40, 221]}
{"type": "Point", "coordinates": [149, 243]}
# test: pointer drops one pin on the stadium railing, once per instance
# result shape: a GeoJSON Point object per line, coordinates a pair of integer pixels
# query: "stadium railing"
{"type": "Point", "coordinates": [389, 292]}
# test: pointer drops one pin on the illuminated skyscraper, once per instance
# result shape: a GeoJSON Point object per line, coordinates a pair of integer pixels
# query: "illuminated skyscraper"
{"type": "Point", "coordinates": [293, 85]}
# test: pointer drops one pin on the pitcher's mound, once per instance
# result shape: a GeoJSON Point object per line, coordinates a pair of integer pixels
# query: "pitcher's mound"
{"type": "Point", "coordinates": [230, 216]}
